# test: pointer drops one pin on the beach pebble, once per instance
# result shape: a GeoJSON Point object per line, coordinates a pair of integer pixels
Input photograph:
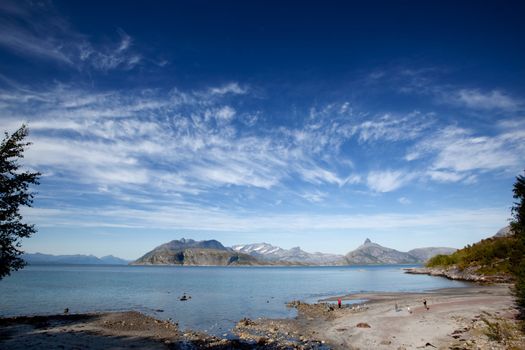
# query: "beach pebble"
{"type": "Point", "coordinates": [363, 325]}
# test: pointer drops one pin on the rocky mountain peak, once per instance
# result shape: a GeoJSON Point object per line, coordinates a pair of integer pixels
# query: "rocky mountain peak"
{"type": "Point", "coordinates": [368, 241]}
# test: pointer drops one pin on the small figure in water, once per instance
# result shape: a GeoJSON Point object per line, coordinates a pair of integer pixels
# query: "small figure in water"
{"type": "Point", "coordinates": [425, 303]}
{"type": "Point", "coordinates": [66, 311]}
{"type": "Point", "coordinates": [339, 302]}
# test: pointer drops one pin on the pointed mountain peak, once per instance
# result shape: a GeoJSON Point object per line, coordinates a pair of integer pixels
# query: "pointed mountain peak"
{"type": "Point", "coordinates": [368, 241]}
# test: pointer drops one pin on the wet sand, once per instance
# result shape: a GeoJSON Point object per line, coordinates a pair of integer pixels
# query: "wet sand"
{"type": "Point", "coordinates": [480, 317]}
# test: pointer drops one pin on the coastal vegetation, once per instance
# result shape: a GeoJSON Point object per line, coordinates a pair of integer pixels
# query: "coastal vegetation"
{"type": "Point", "coordinates": [490, 256]}
{"type": "Point", "coordinates": [503, 255]}
{"type": "Point", "coordinates": [14, 193]}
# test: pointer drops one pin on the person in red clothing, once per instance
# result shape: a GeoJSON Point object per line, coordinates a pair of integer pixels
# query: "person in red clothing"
{"type": "Point", "coordinates": [339, 302]}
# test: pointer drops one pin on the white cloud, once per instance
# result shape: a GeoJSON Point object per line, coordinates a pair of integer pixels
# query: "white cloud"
{"type": "Point", "coordinates": [456, 150]}
{"type": "Point", "coordinates": [387, 180]}
{"type": "Point", "coordinates": [445, 176]}
{"type": "Point", "coordinates": [428, 81]}
{"type": "Point", "coordinates": [317, 175]}
{"type": "Point", "coordinates": [24, 42]}
{"type": "Point", "coordinates": [139, 135]}
{"type": "Point", "coordinates": [198, 218]}
{"type": "Point", "coordinates": [404, 200]}
{"type": "Point", "coordinates": [477, 99]}
{"type": "Point", "coordinates": [391, 128]}
{"type": "Point", "coordinates": [38, 31]}
{"type": "Point", "coordinates": [315, 196]}
{"type": "Point", "coordinates": [230, 88]}
{"type": "Point", "coordinates": [225, 113]}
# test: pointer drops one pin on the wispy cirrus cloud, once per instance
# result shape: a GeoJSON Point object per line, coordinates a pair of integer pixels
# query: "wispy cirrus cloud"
{"type": "Point", "coordinates": [428, 81]}
{"type": "Point", "coordinates": [483, 100]}
{"type": "Point", "coordinates": [456, 154]}
{"type": "Point", "coordinates": [136, 138]}
{"type": "Point", "coordinates": [392, 128]}
{"type": "Point", "coordinates": [388, 180]}
{"type": "Point", "coordinates": [212, 219]}
{"type": "Point", "coordinates": [202, 145]}
{"type": "Point", "coordinates": [36, 30]}
{"type": "Point", "coordinates": [229, 88]}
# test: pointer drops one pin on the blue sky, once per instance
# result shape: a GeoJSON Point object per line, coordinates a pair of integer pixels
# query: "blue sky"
{"type": "Point", "coordinates": [316, 124]}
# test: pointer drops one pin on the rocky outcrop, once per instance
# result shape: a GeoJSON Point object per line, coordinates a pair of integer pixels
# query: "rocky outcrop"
{"type": "Point", "coordinates": [504, 232]}
{"type": "Point", "coordinates": [453, 273]}
{"type": "Point", "coordinates": [194, 253]}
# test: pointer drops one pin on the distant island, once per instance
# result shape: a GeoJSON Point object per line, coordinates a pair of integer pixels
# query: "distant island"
{"type": "Point", "coordinates": [77, 259]}
{"type": "Point", "coordinates": [189, 252]}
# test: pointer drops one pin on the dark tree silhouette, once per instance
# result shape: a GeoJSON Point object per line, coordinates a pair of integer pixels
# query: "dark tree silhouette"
{"type": "Point", "coordinates": [518, 227]}
{"type": "Point", "coordinates": [14, 193]}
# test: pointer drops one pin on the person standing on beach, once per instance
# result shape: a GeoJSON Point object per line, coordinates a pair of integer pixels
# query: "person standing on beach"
{"type": "Point", "coordinates": [425, 303]}
{"type": "Point", "coordinates": [339, 302]}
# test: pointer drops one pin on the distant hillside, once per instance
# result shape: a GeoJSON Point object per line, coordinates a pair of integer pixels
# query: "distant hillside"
{"type": "Point", "coordinates": [268, 252]}
{"type": "Point", "coordinates": [373, 253]}
{"type": "Point", "coordinates": [78, 259]}
{"type": "Point", "coordinates": [424, 254]}
{"type": "Point", "coordinates": [190, 252]}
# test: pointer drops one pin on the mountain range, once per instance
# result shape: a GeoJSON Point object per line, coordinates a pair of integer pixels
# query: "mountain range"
{"type": "Point", "coordinates": [78, 259]}
{"type": "Point", "coordinates": [268, 252]}
{"type": "Point", "coordinates": [212, 252]}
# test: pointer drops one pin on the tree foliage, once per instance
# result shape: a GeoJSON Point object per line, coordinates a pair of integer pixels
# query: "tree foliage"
{"type": "Point", "coordinates": [518, 227]}
{"type": "Point", "coordinates": [14, 193]}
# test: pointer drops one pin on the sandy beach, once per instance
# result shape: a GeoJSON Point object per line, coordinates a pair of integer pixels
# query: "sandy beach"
{"type": "Point", "coordinates": [478, 317]}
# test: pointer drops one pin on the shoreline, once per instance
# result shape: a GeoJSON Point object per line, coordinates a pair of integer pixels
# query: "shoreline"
{"type": "Point", "coordinates": [461, 318]}
{"type": "Point", "coordinates": [453, 273]}
{"type": "Point", "coordinates": [472, 317]}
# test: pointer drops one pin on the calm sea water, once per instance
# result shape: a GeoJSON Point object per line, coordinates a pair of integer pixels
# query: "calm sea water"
{"type": "Point", "coordinates": [220, 295]}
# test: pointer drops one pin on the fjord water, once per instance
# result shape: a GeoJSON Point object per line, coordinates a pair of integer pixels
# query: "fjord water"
{"type": "Point", "coordinates": [220, 295]}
